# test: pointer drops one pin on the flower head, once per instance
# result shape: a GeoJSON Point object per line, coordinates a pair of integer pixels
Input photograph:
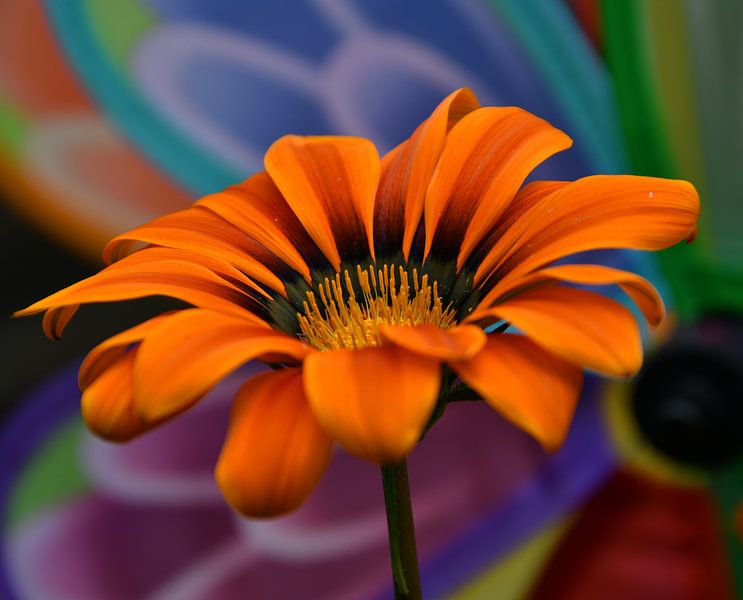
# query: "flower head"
{"type": "Point", "coordinates": [370, 284]}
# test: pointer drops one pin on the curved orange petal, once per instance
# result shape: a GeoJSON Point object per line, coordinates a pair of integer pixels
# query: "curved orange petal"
{"type": "Point", "coordinates": [330, 182]}
{"type": "Point", "coordinates": [217, 266]}
{"type": "Point", "coordinates": [374, 401]}
{"type": "Point", "coordinates": [275, 452]}
{"type": "Point", "coordinates": [56, 320]}
{"type": "Point", "coordinates": [532, 388]}
{"type": "Point", "coordinates": [486, 158]}
{"type": "Point", "coordinates": [107, 405]}
{"type": "Point", "coordinates": [512, 224]}
{"type": "Point", "coordinates": [257, 208]}
{"type": "Point", "coordinates": [457, 343]}
{"type": "Point", "coordinates": [583, 327]}
{"type": "Point", "coordinates": [602, 211]}
{"type": "Point", "coordinates": [406, 173]}
{"type": "Point", "coordinates": [109, 351]}
{"type": "Point", "coordinates": [129, 279]}
{"type": "Point", "coordinates": [191, 351]}
{"type": "Point", "coordinates": [642, 292]}
{"type": "Point", "coordinates": [203, 232]}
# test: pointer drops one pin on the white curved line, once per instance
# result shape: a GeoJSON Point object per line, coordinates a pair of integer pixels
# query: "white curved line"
{"type": "Point", "coordinates": [286, 541]}
{"type": "Point", "coordinates": [196, 580]}
{"type": "Point", "coordinates": [347, 20]}
{"type": "Point", "coordinates": [166, 52]}
{"type": "Point", "coordinates": [353, 58]}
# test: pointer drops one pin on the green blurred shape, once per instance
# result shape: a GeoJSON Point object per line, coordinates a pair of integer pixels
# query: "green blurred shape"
{"type": "Point", "coordinates": [637, 38]}
{"type": "Point", "coordinates": [670, 61]}
{"type": "Point", "coordinates": [118, 26]}
{"type": "Point", "coordinates": [715, 28]}
{"type": "Point", "coordinates": [13, 128]}
{"type": "Point", "coordinates": [53, 476]}
{"type": "Point", "coordinates": [626, 48]}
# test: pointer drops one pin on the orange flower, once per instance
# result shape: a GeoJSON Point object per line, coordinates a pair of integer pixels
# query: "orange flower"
{"type": "Point", "coordinates": [370, 284]}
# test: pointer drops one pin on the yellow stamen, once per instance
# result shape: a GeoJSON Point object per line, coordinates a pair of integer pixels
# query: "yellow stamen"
{"type": "Point", "coordinates": [348, 321]}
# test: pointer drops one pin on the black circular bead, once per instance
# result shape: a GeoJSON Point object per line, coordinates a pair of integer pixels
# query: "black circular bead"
{"type": "Point", "coordinates": [688, 399]}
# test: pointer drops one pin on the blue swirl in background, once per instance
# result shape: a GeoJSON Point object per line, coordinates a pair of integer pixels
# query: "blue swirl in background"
{"type": "Point", "coordinates": [470, 35]}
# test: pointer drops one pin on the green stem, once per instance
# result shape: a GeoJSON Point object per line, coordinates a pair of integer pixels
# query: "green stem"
{"type": "Point", "coordinates": [403, 553]}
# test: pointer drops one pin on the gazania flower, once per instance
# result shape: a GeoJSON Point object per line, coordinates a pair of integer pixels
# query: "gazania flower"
{"type": "Point", "coordinates": [373, 285]}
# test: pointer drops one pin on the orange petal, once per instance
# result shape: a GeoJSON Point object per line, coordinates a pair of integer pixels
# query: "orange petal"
{"type": "Point", "coordinates": [456, 343]}
{"type": "Point", "coordinates": [107, 405]}
{"type": "Point", "coordinates": [134, 277]}
{"type": "Point", "coordinates": [583, 327]}
{"type": "Point", "coordinates": [406, 173]}
{"type": "Point", "coordinates": [532, 388]}
{"type": "Point", "coordinates": [487, 156]}
{"type": "Point", "coordinates": [330, 183]}
{"type": "Point", "coordinates": [257, 208]}
{"type": "Point", "coordinates": [513, 222]}
{"type": "Point", "coordinates": [638, 288]}
{"type": "Point", "coordinates": [275, 452]}
{"type": "Point", "coordinates": [374, 401]}
{"type": "Point", "coordinates": [603, 211]}
{"type": "Point", "coordinates": [217, 266]}
{"type": "Point", "coordinates": [191, 351]}
{"type": "Point", "coordinates": [203, 232]}
{"type": "Point", "coordinates": [56, 320]}
{"type": "Point", "coordinates": [109, 351]}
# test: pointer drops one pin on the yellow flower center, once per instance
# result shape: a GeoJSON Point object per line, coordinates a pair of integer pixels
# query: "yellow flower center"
{"type": "Point", "coordinates": [349, 313]}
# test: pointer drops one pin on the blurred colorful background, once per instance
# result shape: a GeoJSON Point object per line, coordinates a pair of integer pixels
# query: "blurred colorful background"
{"type": "Point", "coordinates": [115, 111]}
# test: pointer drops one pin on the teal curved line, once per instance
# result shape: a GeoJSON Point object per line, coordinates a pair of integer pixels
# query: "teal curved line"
{"type": "Point", "coordinates": [560, 52]}
{"type": "Point", "coordinates": [196, 170]}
